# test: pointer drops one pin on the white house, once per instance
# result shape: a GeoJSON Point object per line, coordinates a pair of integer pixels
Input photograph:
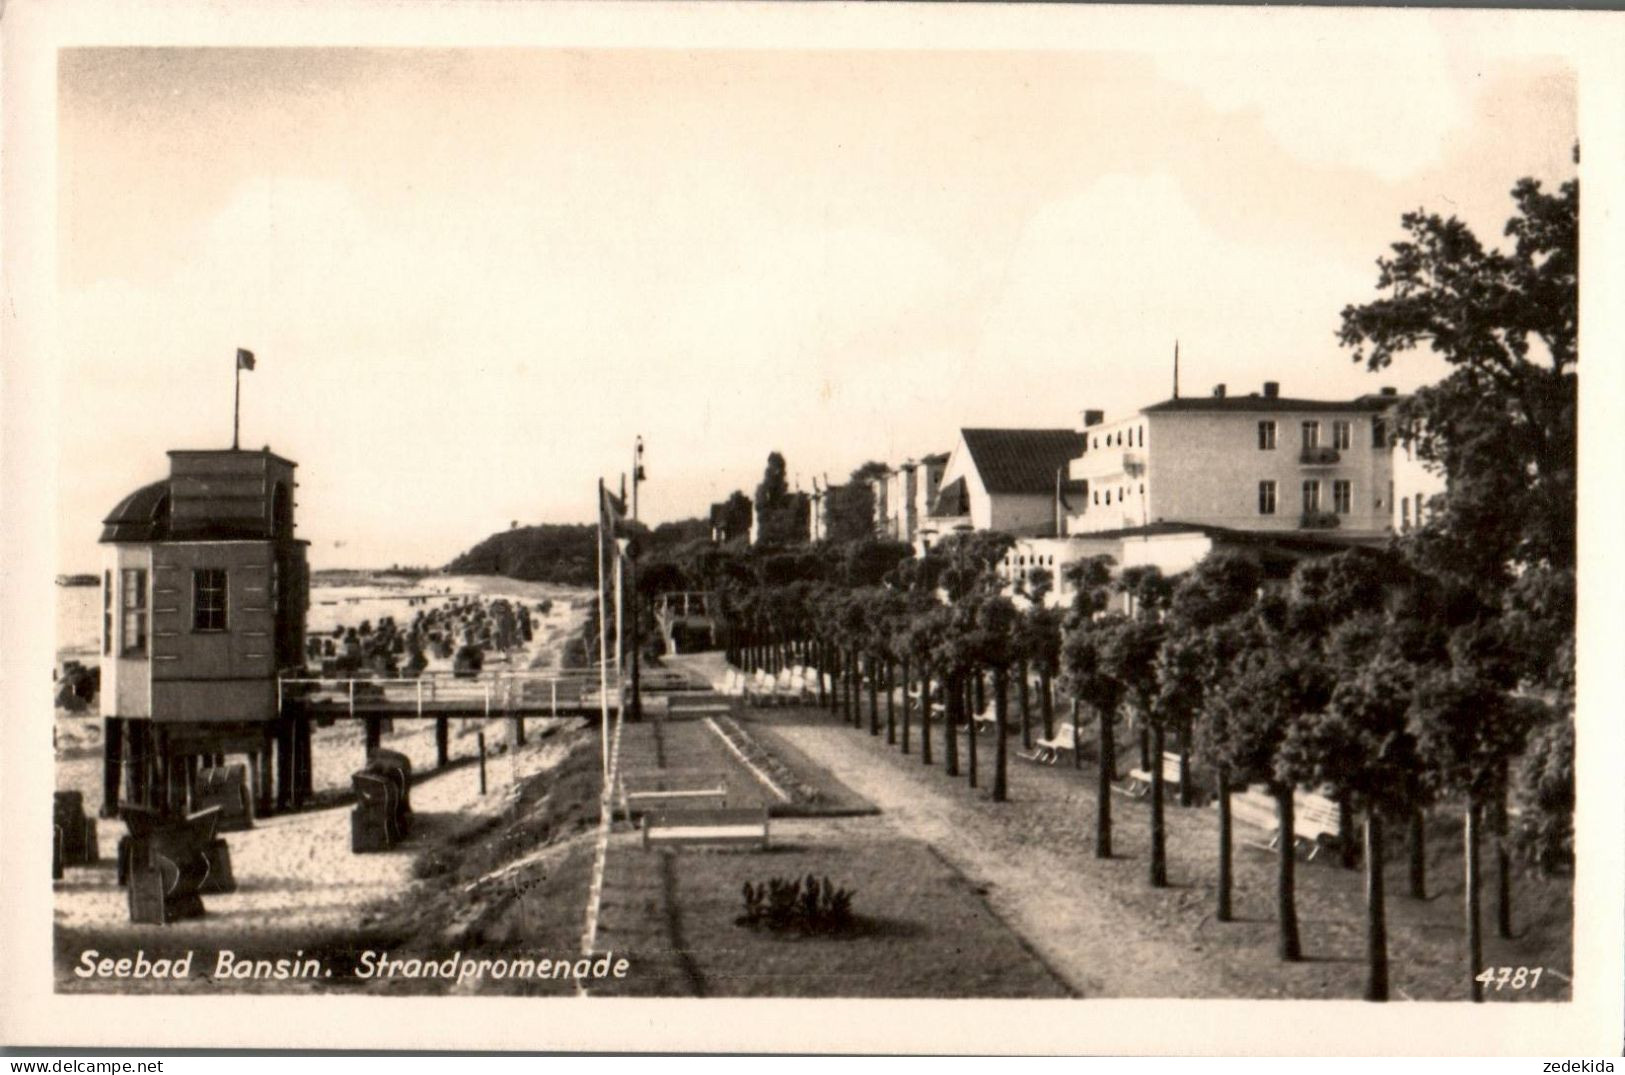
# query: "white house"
{"type": "Point", "coordinates": [1010, 480]}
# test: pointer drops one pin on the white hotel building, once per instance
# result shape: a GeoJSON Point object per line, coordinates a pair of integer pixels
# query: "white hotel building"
{"type": "Point", "coordinates": [1284, 477]}
{"type": "Point", "coordinates": [1255, 462]}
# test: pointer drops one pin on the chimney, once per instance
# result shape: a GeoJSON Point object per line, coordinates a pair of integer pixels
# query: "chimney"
{"type": "Point", "coordinates": [1093, 418]}
{"type": "Point", "coordinates": [1389, 390]}
{"type": "Point", "coordinates": [1272, 389]}
{"type": "Point", "coordinates": [1218, 391]}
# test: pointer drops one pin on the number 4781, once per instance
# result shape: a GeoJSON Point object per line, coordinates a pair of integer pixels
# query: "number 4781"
{"type": "Point", "coordinates": [1511, 977]}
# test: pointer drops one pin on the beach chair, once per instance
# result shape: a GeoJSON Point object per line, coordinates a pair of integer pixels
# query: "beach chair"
{"type": "Point", "coordinates": [986, 720]}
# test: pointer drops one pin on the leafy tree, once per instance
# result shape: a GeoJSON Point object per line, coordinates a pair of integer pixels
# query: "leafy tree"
{"type": "Point", "coordinates": [1087, 631]}
{"type": "Point", "coordinates": [1467, 727]}
{"type": "Point", "coordinates": [1546, 788]}
{"type": "Point", "coordinates": [1361, 747]}
{"type": "Point", "coordinates": [1502, 425]}
{"type": "Point", "coordinates": [778, 515]}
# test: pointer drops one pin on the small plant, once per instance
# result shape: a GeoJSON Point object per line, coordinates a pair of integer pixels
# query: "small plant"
{"type": "Point", "coordinates": [805, 904]}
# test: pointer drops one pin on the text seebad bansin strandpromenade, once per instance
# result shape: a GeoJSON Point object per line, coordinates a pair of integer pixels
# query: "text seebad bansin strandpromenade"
{"type": "Point", "coordinates": [369, 964]}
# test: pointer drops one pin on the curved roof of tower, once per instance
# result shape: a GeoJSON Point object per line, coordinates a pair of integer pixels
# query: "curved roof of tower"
{"type": "Point", "coordinates": [141, 516]}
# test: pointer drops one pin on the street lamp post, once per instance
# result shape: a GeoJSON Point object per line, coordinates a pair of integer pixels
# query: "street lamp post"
{"type": "Point", "coordinates": [632, 564]}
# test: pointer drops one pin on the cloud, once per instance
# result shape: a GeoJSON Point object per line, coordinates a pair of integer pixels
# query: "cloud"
{"type": "Point", "coordinates": [1388, 114]}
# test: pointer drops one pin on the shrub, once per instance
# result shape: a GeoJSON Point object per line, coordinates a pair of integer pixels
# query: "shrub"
{"type": "Point", "coordinates": [804, 904]}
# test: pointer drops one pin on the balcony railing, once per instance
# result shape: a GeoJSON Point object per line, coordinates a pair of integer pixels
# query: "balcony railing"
{"type": "Point", "coordinates": [1320, 456]}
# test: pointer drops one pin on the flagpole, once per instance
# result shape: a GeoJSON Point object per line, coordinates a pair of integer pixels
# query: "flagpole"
{"type": "Point", "coordinates": [603, 637]}
{"type": "Point", "coordinates": [236, 398]}
{"type": "Point", "coordinates": [620, 660]}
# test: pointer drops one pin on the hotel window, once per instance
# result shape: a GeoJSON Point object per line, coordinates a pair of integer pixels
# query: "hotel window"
{"type": "Point", "coordinates": [1311, 496]}
{"type": "Point", "coordinates": [1405, 514]}
{"type": "Point", "coordinates": [1379, 433]}
{"type": "Point", "coordinates": [1311, 434]}
{"type": "Point", "coordinates": [107, 613]}
{"type": "Point", "coordinates": [135, 612]}
{"type": "Point", "coordinates": [1340, 436]}
{"type": "Point", "coordinates": [1266, 436]}
{"type": "Point", "coordinates": [209, 599]}
{"type": "Point", "coordinates": [1266, 498]}
{"type": "Point", "coordinates": [1341, 497]}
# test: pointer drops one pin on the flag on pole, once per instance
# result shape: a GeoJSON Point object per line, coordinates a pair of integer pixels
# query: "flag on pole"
{"type": "Point", "coordinates": [612, 516]}
{"type": "Point", "coordinates": [245, 359]}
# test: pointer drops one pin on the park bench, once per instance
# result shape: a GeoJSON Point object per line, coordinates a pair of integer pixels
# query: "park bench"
{"type": "Point", "coordinates": [730, 826]}
{"type": "Point", "coordinates": [1316, 821]}
{"type": "Point", "coordinates": [74, 834]}
{"type": "Point", "coordinates": [226, 786]}
{"type": "Point", "coordinates": [1048, 749]}
{"type": "Point", "coordinates": [985, 720]}
{"type": "Point", "coordinates": [169, 862]}
{"type": "Point", "coordinates": [1139, 780]}
{"type": "Point", "coordinates": [645, 792]}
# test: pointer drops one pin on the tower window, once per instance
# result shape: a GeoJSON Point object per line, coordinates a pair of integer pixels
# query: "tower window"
{"type": "Point", "coordinates": [209, 599]}
{"type": "Point", "coordinates": [135, 612]}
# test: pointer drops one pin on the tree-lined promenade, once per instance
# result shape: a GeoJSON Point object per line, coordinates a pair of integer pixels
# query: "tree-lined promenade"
{"type": "Point", "coordinates": [1433, 676]}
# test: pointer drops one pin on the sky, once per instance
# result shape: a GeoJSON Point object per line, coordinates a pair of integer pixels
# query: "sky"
{"type": "Point", "coordinates": [473, 277]}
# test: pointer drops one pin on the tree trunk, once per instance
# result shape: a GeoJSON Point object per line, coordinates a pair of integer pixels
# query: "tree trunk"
{"type": "Point", "coordinates": [1001, 722]}
{"type": "Point", "coordinates": [977, 682]}
{"type": "Point", "coordinates": [1475, 935]}
{"type": "Point", "coordinates": [970, 737]}
{"type": "Point", "coordinates": [925, 715]}
{"type": "Point", "coordinates": [442, 741]}
{"type": "Point", "coordinates": [1376, 916]}
{"type": "Point", "coordinates": [1185, 790]}
{"type": "Point", "coordinates": [1286, 908]}
{"type": "Point", "coordinates": [374, 736]}
{"type": "Point", "coordinates": [853, 686]}
{"type": "Point", "coordinates": [1046, 702]}
{"type": "Point", "coordinates": [1503, 863]}
{"type": "Point", "coordinates": [874, 697]}
{"type": "Point", "coordinates": [1077, 737]}
{"type": "Point", "coordinates": [1416, 844]}
{"type": "Point", "coordinates": [891, 704]}
{"type": "Point", "coordinates": [1144, 728]}
{"type": "Point", "coordinates": [1103, 788]}
{"type": "Point", "coordinates": [954, 700]}
{"type": "Point", "coordinates": [820, 662]}
{"type": "Point", "coordinates": [1224, 912]}
{"type": "Point", "coordinates": [1022, 692]}
{"type": "Point", "coordinates": [1159, 832]}
{"type": "Point", "coordinates": [905, 682]}
{"type": "Point", "coordinates": [1345, 826]}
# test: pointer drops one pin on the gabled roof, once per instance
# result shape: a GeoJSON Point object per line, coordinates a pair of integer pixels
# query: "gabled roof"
{"type": "Point", "coordinates": [1016, 461]}
{"type": "Point", "coordinates": [953, 500]}
{"type": "Point", "coordinates": [1269, 404]}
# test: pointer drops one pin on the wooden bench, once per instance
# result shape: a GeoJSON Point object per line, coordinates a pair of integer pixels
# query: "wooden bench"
{"type": "Point", "coordinates": [738, 826]}
{"type": "Point", "coordinates": [986, 720]}
{"type": "Point", "coordinates": [1139, 780]}
{"type": "Point", "coordinates": [1316, 821]}
{"type": "Point", "coordinates": [1048, 750]}
{"type": "Point", "coordinates": [675, 788]}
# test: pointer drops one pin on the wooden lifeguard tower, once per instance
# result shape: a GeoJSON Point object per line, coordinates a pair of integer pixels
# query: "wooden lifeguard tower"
{"type": "Point", "coordinates": [204, 596]}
